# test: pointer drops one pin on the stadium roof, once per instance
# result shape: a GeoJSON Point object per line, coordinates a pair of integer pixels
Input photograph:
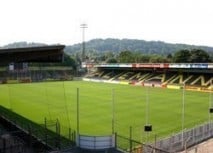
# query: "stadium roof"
{"type": "Point", "coordinates": [53, 53]}
{"type": "Point", "coordinates": [153, 65]}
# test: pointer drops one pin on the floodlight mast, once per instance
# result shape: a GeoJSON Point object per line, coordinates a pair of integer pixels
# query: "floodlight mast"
{"type": "Point", "coordinates": [83, 27]}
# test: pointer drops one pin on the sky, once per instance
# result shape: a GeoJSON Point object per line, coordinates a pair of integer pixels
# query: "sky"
{"type": "Point", "coordinates": [58, 21]}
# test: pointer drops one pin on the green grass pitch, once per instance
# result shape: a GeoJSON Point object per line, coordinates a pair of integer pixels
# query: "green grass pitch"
{"type": "Point", "coordinates": [58, 100]}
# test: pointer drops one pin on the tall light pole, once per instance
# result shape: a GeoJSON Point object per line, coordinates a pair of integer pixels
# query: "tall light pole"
{"type": "Point", "coordinates": [83, 27]}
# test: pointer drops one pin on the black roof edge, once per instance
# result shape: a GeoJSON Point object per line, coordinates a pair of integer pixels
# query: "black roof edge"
{"type": "Point", "coordinates": [32, 49]}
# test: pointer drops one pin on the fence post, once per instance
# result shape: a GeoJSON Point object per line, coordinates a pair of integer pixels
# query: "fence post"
{"type": "Point", "coordinates": [70, 135]}
{"type": "Point", "coordinates": [45, 130]}
{"type": "Point", "coordinates": [77, 116]}
{"type": "Point", "coordinates": [155, 143]}
{"type": "Point", "coordinates": [130, 139]}
{"type": "Point", "coordinates": [113, 112]}
{"type": "Point", "coordinates": [74, 137]}
{"type": "Point", "coordinates": [30, 135]}
{"type": "Point", "coordinates": [115, 135]}
{"type": "Point", "coordinates": [58, 143]}
{"type": "Point", "coordinates": [193, 135]}
{"type": "Point", "coordinates": [59, 136]}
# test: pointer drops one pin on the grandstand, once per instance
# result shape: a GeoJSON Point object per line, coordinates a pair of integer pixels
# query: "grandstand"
{"type": "Point", "coordinates": [194, 76]}
{"type": "Point", "coordinates": [51, 53]}
{"type": "Point", "coordinates": [15, 64]}
{"type": "Point", "coordinates": [13, 137]}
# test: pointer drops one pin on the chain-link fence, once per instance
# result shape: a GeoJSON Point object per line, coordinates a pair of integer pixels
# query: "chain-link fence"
{"type": "Point", "coordinates": [48, 133]}
{"type": "Point", "coordinates": [187, 138]}
{"type": "Point", "coordinates": [175, 143]}
{"type": "Point", "coordinates": [132, 146]}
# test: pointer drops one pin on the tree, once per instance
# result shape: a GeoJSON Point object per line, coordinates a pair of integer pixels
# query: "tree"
{"type": "Point", "coordinates": [182, 56]}
{"type": "Point", "coordinates": [199, 56]}
{"type": "Point", "coordinates": [126, 57]}
{"type": "Point", "coordinates": [169, 56]}
{"type": "Point", "coordinates": [158, 59]}
{"type": "Point", "coordinates": [192, 56]}
{"type": "Point", "coordinates": [211, 57]}
{"type": "Point", "coordinates": [109, 54]}
{"type": "Point", "coordinates": [69, 61]}
{"type": "Point", "coordinates": [111, 60]}
{"type": "Point", "coordinates": [145, 58]}
{"type": "Point", "coordinates": [136, 56]}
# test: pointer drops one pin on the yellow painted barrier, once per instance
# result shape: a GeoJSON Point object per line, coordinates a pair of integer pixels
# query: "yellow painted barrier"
{"type": "Point", "coordinates": [173, 87]}
{"type": "Point", "coordinates": [123, 82]}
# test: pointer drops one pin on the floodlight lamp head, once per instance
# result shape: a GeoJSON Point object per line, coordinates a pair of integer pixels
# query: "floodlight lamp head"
{"type": "Point", "coordinates": [83, 25]}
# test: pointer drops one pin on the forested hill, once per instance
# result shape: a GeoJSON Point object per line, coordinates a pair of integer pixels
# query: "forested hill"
{"type": "Point", "coordinates": [147, 47]}
{"type": "Point", "coordinates": [117, 45]}
{"type": "Point", "coordinates": [22, 44]}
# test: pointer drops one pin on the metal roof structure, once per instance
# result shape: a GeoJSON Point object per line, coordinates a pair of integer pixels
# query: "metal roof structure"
{"type": "Point", "coordinates": [52, 53]}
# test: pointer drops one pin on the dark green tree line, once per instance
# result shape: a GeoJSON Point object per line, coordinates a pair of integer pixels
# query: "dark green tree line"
{"type": "Point", "coordinates": [181, 56]}
{"type": "Point", "coordinates": [191, 56]}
